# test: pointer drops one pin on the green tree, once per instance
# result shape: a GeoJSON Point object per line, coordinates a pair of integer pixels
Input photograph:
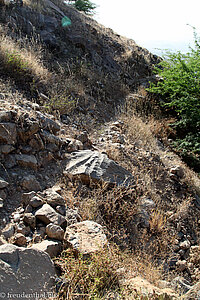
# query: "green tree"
{"type": "Point", "coordinates": [179, 89]}
{"type": "Point", "coordinates": [83, 5]}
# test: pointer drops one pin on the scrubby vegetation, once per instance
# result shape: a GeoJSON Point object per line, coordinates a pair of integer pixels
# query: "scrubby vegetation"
{"type": "Point", "coordinates": [179, 90]}
{"type": "Point", "coordinates": [88, 277]}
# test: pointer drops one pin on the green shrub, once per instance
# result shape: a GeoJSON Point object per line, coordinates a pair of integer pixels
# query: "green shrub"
{"type": "Point", "coordinates": [83, 5]}
{"type": "Point", "coordinates": [180, 90]}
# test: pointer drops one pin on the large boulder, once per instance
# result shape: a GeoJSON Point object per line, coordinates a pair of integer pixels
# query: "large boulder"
{"type": "Point", "coordinates": [25, 270]}
{"type": "Point", "coordinates": [85, 237]}
{"type": "Point", "coordinates": [94, 166]}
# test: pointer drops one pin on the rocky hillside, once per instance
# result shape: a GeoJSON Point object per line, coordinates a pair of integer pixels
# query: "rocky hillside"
{"type": "Point", "coordinates": [92, 204]}
{"type": "Point", "coordinates": [86, 66]}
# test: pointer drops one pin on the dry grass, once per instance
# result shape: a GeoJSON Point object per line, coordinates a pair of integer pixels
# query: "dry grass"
{"type": "Point", "coordinates": [22, 60]}
{"type": "Point", "coordinates": [38, 5]}
{"type": "Point", "coordinates": [113, 152]}
{"type": "Point", "coordinates": [145, 134]}
{"type": "Point", "coordinates": [140, 264]}
{"type": "Point", "coordinates": [117, 210]}
{"type": "Point", "coordinates": [9, 93]}
{"type": "Point", "coordinates": [137, 131]}
{"type": "Point", "coordinates": [103, 275]}
{"type": "Point", "coordinates": [157, 222]}
{"type": "Point", "coordinates": [90, 277]}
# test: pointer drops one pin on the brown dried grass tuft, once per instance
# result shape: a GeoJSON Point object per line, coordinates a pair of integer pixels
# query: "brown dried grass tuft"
{"type": "Point", "coordinates": [22, 60]}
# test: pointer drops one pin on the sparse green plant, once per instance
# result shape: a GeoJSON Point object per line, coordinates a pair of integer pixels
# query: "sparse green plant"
{"type": "Point", "coordinates": [16, 62]}
{"type": "Point", "coordinates": [61, 103]}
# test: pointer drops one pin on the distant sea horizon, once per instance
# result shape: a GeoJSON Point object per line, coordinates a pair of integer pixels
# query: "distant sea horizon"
{"type": "Point", "coordinates": [160, 47]}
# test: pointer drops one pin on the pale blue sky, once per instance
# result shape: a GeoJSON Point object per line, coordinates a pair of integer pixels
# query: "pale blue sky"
{"type": "Point", "coordinates": [152, 23]}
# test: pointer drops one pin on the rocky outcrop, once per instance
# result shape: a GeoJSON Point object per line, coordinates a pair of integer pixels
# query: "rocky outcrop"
{"type": "Point", "coordinates": [103, 46]}
{"type": "Point", "coordinates": [53, 198]}
{"type": "Point", "coordinates": [30, 183]}
{"type": "Point", "coordinates": [93, 166]}
{"type": "Point", "coordinates": [36, 220]}
{"type": "Point", "coordinates": [43, 221]}
{"type": "Point", "coordinates": [25, 271]}
{"type": "Point", "coordinates": [28, 142]}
